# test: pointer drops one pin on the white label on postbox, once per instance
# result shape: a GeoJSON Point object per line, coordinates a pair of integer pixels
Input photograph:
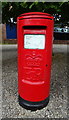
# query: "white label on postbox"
{"type": "Point", "coordinates": [34, 41]}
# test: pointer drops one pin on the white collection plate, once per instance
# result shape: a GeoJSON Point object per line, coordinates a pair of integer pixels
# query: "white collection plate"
{"type": "Point", "coordinates": [34, 41]}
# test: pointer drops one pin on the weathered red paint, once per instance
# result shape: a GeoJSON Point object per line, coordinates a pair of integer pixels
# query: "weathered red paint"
{"type": "Point", "coordinates": [34, 65]}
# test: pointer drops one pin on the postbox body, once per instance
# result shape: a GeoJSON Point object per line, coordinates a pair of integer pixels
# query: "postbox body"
{"type": "Point", "coordinates": [35, 34]}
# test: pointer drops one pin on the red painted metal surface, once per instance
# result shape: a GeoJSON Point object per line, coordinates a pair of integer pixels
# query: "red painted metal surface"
{"type": "Point", "coordinates": [34, 65]}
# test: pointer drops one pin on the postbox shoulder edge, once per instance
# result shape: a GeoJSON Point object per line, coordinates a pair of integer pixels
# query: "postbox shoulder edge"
{"type": "Point", "coordinates": [35, 13]}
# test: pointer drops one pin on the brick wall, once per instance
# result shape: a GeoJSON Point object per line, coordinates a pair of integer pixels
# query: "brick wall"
{"type": "Point", "coordinates": [61, 41]}
{"type": "Point", "coordinates": [3, 32]}
{"type": "Point", "coordinates": [12, 41]}
{"type": "Point", "coordinates": [0, 33]}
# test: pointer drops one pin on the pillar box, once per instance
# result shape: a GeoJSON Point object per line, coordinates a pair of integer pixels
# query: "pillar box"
{"type": "Point", "coordinates": [35, 38]}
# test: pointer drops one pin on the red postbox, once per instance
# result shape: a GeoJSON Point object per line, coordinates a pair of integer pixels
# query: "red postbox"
{"type": "Point", "coordinates": [35, 34]}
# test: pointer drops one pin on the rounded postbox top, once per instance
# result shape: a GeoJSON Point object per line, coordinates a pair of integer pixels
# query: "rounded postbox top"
{"type": "Point", "coordinates": [36, 15]}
